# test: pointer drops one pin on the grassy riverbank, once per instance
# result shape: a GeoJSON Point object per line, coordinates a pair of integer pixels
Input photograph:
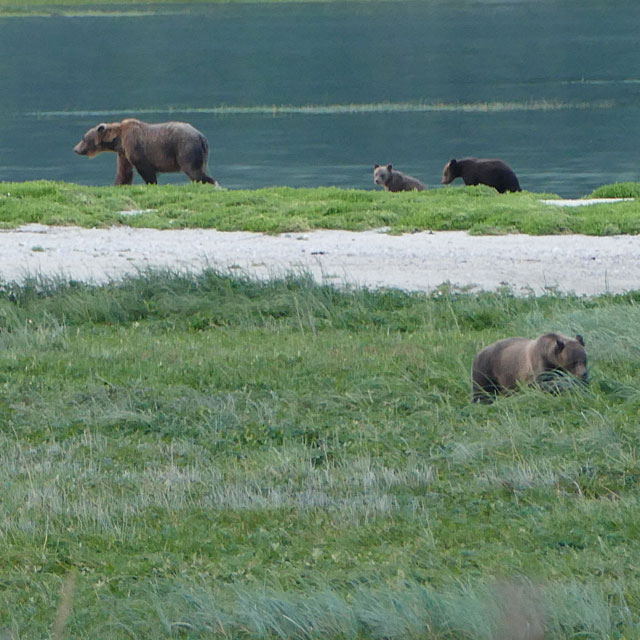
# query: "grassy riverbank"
{"type": "Point", "coordinates": [210, 457]}
{"type": "Point", "coordinates": [476, 209]}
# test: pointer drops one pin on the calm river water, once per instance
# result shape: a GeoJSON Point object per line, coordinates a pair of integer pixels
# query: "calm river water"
{"type": "Point", "coordinates": [553, 88]}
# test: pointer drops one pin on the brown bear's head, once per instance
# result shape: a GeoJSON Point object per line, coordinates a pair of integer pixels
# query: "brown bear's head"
{"type": "Point", "coordinates": [570, 356]}
{"type": "Point", "coordinates": [382, 175]}
{"type": "Point", "coordinates": [103, 137]}
{"type": "Point", "coordinates": [450, 172]}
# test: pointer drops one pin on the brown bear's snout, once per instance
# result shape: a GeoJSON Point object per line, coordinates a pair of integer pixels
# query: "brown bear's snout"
{"type": "Point", "coordinates": [84, 148]}
{"type": "Point", "coordinates": [81, 148]}
{"type": "Point", "coordinates": [580, 371]}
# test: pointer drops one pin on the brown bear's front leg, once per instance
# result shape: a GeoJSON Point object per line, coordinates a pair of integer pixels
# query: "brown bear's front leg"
{"type": "Point", "coordinates": [124, 174]}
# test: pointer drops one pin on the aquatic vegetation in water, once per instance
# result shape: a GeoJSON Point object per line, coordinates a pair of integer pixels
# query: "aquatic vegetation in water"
{"type": "Point", "coordinates": [335, 109]}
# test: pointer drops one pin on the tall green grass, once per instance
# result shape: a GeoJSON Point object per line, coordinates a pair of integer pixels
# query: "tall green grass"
{"type": "Point", "coordinates": [218, 457]}
{"type": "Point", "coordinates": [478, 210]}
{"type": "Point", "coordinates": [618, 190]}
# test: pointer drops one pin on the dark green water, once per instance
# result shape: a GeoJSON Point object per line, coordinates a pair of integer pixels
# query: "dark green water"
{"type": "Point", "coordinates": [560, 81]}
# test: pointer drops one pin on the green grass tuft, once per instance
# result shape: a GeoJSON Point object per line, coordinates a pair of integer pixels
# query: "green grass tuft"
{"type": "Point", "coordinates": [617, 190]}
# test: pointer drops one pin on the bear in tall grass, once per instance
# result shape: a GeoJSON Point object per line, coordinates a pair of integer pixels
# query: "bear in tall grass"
{"type": "Point", "coordinates": [503, 365]}
{"type": "Point", "coordinates": [474, 171]}
{"type": "Point", "coordinates": [165, 147]}
{"type": "Point", "coordinates": [393, 180]}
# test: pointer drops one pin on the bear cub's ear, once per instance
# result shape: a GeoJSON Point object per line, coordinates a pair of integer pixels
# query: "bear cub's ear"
{"type": "Point", "coordinates": [580, 339]}
{"type": "Point", "coordinates": [375, 166]}
{"type": "Point", "coordinates": [389, 167]}
{"type": "Point", "coordinates": [560, 345]}
{"type": "Point", "coordinates": [101, 128]}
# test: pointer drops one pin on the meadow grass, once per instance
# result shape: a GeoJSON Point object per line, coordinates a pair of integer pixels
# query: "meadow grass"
{"type": "Point", "coordinates": [479, 210]}
{"type": "Point", "coordinates": [203, 456]}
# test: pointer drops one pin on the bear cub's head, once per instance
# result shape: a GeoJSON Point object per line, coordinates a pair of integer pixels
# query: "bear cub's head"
{"type": "Point", "coordinates": [569, 355]}
{"type": "Point", "coordinates": [382, 175]}
{"type": "Point", "coordinates": [103, 137]}
{"type": "Point", "coordinates": [450, 172]}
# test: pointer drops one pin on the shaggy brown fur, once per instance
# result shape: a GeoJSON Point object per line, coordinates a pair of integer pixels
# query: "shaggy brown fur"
{"type": "Point", "coordinates": [393, 180]}
{"type": "Point", "coordinates": [473, 171]}
{"type": "Point", "coordinates": [151, 148]}
{"type": "Point", "coordinates": [503, 365]}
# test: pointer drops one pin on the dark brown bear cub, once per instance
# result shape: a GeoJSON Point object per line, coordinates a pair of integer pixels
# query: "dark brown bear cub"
{"type": "Point", "coordinates": [503, 365]}
{"type": "Point", "coordinates": [166, 147]}
{"type": "Point", "coordinates": [474, 171]}
{"type": "Point", "coordinates": [393, 180]}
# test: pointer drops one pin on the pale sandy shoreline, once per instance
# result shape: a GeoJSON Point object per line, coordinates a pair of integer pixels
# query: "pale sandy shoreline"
{"type": "Point", "coordinates": [423, 261]}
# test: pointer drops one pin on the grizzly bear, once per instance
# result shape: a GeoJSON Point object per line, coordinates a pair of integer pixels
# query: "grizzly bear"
{"type": "Point", "coordinates": [393, 180]}
{"type": "Point", "coordinates": [474, 171]}
{"type": "Point", "coordinates": [503, 365]}
{"type": "Point", "coordinates": [151, 148]}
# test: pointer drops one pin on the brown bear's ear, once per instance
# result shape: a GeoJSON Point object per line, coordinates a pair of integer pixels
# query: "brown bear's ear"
{"type": "Point", "coordinates": [389, 167]}
{"type": "Point", "coordinates": [452, 162]}
{"type": "Point", "coordinates": [580, 339]}
{"type": "Point", "coordinates": [559, 345]}
{"type": "Point", "coordinates": [375, 166]}
{"type": "Point", "coordinates": [111, 133]}
{"type": "Point", "coordinates": [101, 127]}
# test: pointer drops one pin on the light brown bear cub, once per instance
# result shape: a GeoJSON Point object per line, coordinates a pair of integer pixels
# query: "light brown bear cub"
{"type": "Point", "coordinates": [165, 147]}
{"type": "Point", "coordinates": [393, 180]}
{"type": "Point", "coordinates": [503, 365]}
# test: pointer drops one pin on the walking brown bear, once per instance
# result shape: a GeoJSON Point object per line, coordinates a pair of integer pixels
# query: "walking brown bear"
{"type": "Point", "coordinates": [165, 147]}
{"type": "Point", "coordinates": [503, 365]}
{"type": "Point", "coordinates": [474, 171]}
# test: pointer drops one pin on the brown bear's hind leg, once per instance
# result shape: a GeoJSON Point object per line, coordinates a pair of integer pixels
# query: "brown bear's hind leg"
{"type": "Point", "coordinates": [124, 173]}
{"type": "Point", "coordinates": [485, 387]}
{"type": "Point", "coordinates": [194, 163]}
{"type": "Point", "coordinates": [198, 175]}
{"type": "Point", "coordinates": [147, 172]}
